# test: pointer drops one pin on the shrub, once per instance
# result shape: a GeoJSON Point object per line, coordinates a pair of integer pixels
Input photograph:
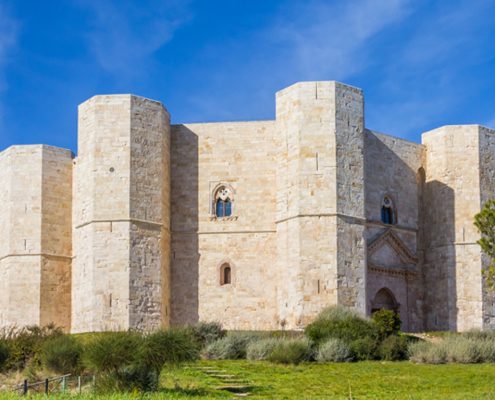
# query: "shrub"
{"type": "Point", "coordinates": [427, 352]}
{"type": "Point", "coordinates": [112, 358]}
{"type": "Point", "coordinates": [231, 347]}
{"type": "Point", "coordinates": [167, 347]}
{"type": "Point", "coordinates": [291, 351]}
{"type": "Point", "coordinates": [334, 350]}
{"type": "Point", "coordinates": [62, 354]}
{"type": "Point", "coordinates": [112, 351]}
{"type": "Point", "coordinates": [393, 348]}
{"type": "Point", "coordinates": [340, 323]}
{"type": "Point", "coordinates": [207, 332]}
{"type": "Point", "coordinates": [4, 354]}
{"type": "Point", "coordinates": [365, 348]}
{"type": "Point", "coordinates": [462, 349]}
{"type": "Point", "coordinates": [261, 349]}
{"type": "Point", "coordinates": [387, 322]}
{"type": "Point", "coordinates": [24, 345]}
{"type": "Point", "coordinates": [337, 313]}
{"type": "Point", "coordinates": [487, 350]}
{"type": "Point", "coordinates": [126, 361]}
{"type": "Point", "coordinates": [479, 335]}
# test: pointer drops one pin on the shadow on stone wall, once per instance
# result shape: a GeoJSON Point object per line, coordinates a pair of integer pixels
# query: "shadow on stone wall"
{"type": "Point", "coordinates": [388, 174]}
{"type": "Point", "coordinates": [439, 257]}
{"type": "Point", "coordinates": [184, 226]}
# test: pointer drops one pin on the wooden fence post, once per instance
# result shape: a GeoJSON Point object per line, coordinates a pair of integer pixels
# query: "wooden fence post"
{"type": "Point", "coordinates": [25, 387]}
{"type": "Point", "coordinates": [46, 386]}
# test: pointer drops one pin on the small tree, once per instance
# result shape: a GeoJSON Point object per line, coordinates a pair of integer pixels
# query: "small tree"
{"type": "Point", "coordinates": [387, 322]}
{"type": "Point", "coordinates": [485, 222]}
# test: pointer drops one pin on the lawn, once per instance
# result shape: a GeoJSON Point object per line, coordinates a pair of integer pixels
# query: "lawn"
{"type": "Point", "coordinates": [363, 380]}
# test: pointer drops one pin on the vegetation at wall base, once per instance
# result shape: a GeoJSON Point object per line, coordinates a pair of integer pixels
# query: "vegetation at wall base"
{"type": "Point", "coordinates": [485, 222]}
{"type": "Point", "coordinates": [207, 332]}
{"type": "Point", "coordinates": [387, 322]}
{"type": "Point", "coordinates": [62, 354]}
{"type": "Point", "coordinates": [291, 351]}
{"type": "Point", "coordinates": [24, 345]}
{"type": "Point", "coordinates": [467, 348]}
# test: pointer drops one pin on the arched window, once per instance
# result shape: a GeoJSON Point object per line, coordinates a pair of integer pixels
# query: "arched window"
{"type": "Point", "coordinates": [225, 274]}
{"type": "Point", "coordinates": [223, 202]}
{"type": "Point", "coordinates": [388, 212]}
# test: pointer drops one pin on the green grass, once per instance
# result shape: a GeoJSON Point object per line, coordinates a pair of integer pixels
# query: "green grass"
{"type": "Point", "coordinates": [363, 380]}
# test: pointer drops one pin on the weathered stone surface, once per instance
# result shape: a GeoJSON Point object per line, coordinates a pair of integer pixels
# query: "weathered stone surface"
{"type": "Point", "coordinates": [126, 235]}
{"type": "Point", "coordinates": [35, 235]}
{"type": "Point", "coordinates": [121, 215]}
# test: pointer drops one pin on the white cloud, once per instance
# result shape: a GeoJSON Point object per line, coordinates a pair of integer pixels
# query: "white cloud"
{"type": "Point", "coordinates": [310, 40]}
{"type": "Point", "coordinates": [126, 34]}
{"type": "Point", "coordinates": [329, 39]}
{"type": "Point", "coordinates": [422, 80]}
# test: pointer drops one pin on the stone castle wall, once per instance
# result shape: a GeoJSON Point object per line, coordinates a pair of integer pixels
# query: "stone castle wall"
{"type": "Point", "coordinates": [125, 236]}
{"type": "Point", "coordinates": [241, 155]}
{"type": "Point", "coordinates": [320, 200]}
{"type": "Point", "coordinates": [391, 169]}
{"type": "Point", "coordinates": [35, 252]}
{"type": "Point", "coordinates": [121, 215]}
{"type": "Point", "coordinates": [459, 173]}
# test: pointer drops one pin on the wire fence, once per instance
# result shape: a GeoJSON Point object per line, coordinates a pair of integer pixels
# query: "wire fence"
{"type": "Point", "coordinates": [58, 384]}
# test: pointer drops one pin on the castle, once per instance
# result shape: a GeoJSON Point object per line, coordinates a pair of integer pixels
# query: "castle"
{"type": "Point", "coordinates": [258, 225]}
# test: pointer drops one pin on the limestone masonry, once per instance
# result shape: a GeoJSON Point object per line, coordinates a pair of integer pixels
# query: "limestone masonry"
{"type": "Point", "coordinates": [258, 225]}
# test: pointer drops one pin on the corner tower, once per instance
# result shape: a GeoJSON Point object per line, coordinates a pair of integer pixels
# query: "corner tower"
{"type": "Point", "coordinates": [460, 178]}
{"type": "Point", "coordinates": [35, 236]}
{"type": "Point", "coordinates": [121, 215]}
{"type": "Point", "coordinates": [320, 200]}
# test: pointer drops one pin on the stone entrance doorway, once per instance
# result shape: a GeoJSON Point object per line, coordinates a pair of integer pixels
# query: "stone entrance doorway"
{"type": "Point", "coordinates": [384, 300]}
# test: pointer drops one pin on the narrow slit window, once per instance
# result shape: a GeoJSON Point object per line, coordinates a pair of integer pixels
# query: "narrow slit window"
{"type": "Point", "coordinates": [225, 274]}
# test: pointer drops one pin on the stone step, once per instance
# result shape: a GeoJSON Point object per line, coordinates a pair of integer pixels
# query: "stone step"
{"type": "Point", "coordinates": [234, 388]}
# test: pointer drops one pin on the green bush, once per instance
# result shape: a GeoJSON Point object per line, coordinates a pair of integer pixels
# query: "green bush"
{"type": "Point", "coordinates": [128, 361]}
{"type": "Point", "coordinates": [112, 351]}
{"type": "Point", "coordinates": [393, 348]}
{"type": "Point", "coordinates": [24, 345]}
{"type": "Point", "coordinates": [365, 348]}
{"type": "Point", "coordinates": [462, 350]}
{"type": "Point", "coordinates": [4, 354]}
{"type": "Point", "coordinates": [207, 332]}
{"type": "Point", "coordinates": [167, 347]}
{"type": "Point", "coordinates": [113, 357]}
{"type": "Point", "coordinates": [231, 347]}
{"type": "Point", "coordinates": [291, 351]}
{"type": "Point", "coordinates": [459, 348]}
{"type": "Point", "coordinates": [337, 313]}
{"type": "Point", "coordinates": [261, 349]}
{"type": "Point", "coordinates": [62, 354]}
{"type": "Point", "coordinates": [387, 322]}
{"type": "Point", "coordinates": [479, 335]}
{"type": "Point", "coordinates": [337, 322]}
{"type": "Point", "coordinates": [427, 352]}
{"type": "Point", "coordinates": [334, 350]}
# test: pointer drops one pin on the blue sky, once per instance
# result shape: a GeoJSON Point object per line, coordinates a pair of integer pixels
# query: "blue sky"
{"type": "Point", "coordinates": [422, 64]}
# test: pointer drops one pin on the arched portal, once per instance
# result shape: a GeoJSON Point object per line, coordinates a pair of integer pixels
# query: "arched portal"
{"type": "Point", "coordinates": [384, 300]}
